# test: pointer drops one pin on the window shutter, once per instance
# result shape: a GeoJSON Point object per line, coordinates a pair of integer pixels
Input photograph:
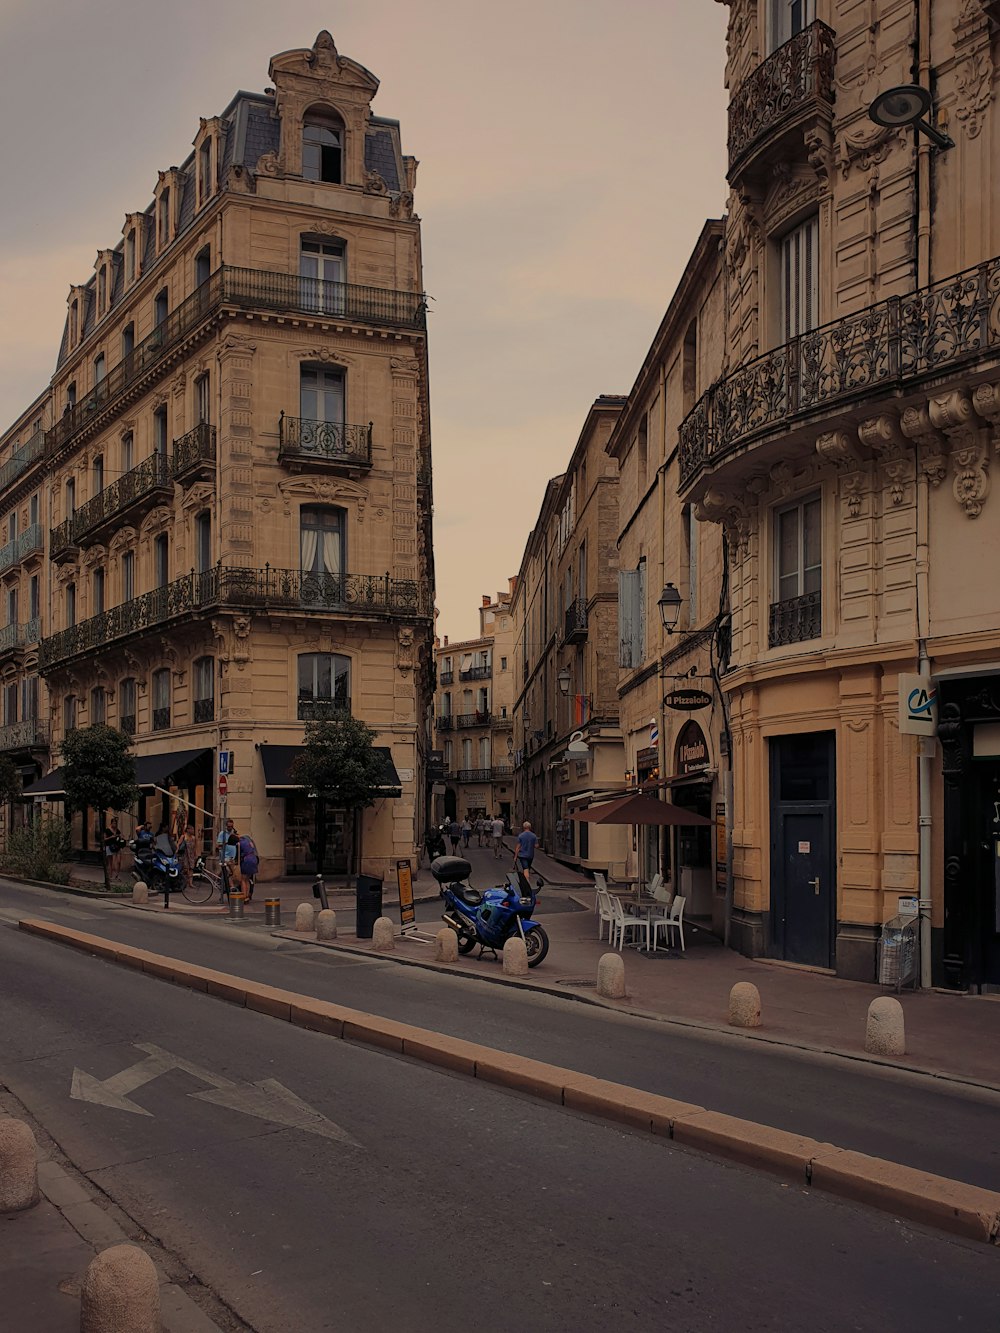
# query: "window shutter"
{"type": "Point", "coordinates": [639, 651]}
{"type": "Point", "coordinates": [626, 615]}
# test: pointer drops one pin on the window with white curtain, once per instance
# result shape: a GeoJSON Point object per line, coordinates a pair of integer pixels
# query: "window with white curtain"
{"type": "Point", "coordinates": [322, 541]}
{"type": "Point", "coordinates": [799, 255]}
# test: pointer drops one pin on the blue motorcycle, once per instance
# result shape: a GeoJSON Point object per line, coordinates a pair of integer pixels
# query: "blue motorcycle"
{"type": "Point", "coordinates": [490, 918]}
{"type": "Point", "coordinates": [157, 869]}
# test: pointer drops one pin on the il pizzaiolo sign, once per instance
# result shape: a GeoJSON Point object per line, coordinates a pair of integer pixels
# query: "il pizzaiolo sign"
{"type": "Point", "coordinates": [687, 701]}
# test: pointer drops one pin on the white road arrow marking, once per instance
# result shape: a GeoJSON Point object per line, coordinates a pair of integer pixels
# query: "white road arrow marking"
{"type": "Point", "coordinates": [266, 1100]}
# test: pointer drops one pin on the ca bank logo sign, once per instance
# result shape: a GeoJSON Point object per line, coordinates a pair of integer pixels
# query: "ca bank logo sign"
{"type": "Point", "coordinates": [917, 706]}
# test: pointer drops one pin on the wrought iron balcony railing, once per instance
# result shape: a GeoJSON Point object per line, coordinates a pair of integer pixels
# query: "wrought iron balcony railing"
{"type": "Point", "coordinates": [31, 734]}
{"type": "Point", "coordinates": [126, 724]}
{"type": "Point", "coordinates": [204, 710]}
{"type": "Point", "coordinates": [20, 636]}
{"type": "Point", "coordinates": [476, 673]}
{"type": "Point", "coordinates": [501, 723]}
{"type": "Point", "coordinates": [142, 484]}
{"type": "Point", "coordinates": [502, 771]}
{"type": "Point", "coordinates": [466, 720]}
{"type": "Point", "coordinates": [885, 346]}
{"type": "Point", "coordinates": [444, 722]}
{"type": "Point", "coordinates": [301, 440]}
{"type": "Point", "coordinates": [194, 450]}
{"type": "Point", "coordinates": [446, 677]}
{"type": "Point", "coordinates": [23, 545]}
{"type": "Point", "coordinates": [795, 620]}
{"type": "Point", "coordinates": [245, 288]}
{"type": "Point", "coordinates": [251, 590]}
{"type": "Point", "coordinates": [21, 459]}
{"type": "Point", "coordinates": [795, 76]}
{"type": "Point", "coordinates": [576, 621]}
{"type": "Point", "coordinates": [323, 710]}
{"type": "Point", "coordinates": [161, 719]}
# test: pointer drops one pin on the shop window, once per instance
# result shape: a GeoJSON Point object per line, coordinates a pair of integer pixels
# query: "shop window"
{"type": "Point", "coordinates": [204, 689]}
{"type": "Point", "coordinates": [322, 147]}
{"type": "Point", "coordinates": [324, 686]}
{"type": "Point", "coordinates": [161, 699]}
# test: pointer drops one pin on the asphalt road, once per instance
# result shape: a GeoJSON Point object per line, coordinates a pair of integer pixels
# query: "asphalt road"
{"type": "Point", "coordinates": [931, 1124]}
{"type": "Point", "coordinates": [430, 1202]}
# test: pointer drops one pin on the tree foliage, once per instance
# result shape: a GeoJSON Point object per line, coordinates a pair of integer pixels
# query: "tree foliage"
{"type": "Point", "coordinates": [10, 779]}
{"type": "Point", "coordinates": [98, 773]}
{"type": "Point", "coordinates": [340, 764]}
{"type": "Point", "coordinates": [40, 850]}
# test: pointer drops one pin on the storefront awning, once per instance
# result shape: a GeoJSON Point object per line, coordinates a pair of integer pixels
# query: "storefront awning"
{"type": "Point", "coordinates": [151, 770]}
{"type": "Point", "coordinates": [278, 780]}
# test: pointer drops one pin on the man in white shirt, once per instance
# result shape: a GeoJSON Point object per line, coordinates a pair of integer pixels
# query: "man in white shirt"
{"type": "Point", "coordinates": [496, 831]}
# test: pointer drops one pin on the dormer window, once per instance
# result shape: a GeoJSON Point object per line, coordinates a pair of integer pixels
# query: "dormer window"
{"type": "Point", "coordinates": [130, 255]}
{"type": "Point", "coordinates": [74, 323]}
{"type": "Point", "coordinates": [102, 289]}
{"type": "Point", "coordinates": [205, 174]}
{"type": "Point", "coordinates": [163, 215]}
{"type": "Point", "coordinates": [323, 148]}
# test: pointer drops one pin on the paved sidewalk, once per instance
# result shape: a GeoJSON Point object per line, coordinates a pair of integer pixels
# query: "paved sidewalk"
{"type": "Point", "coordinates": [42, 1262]}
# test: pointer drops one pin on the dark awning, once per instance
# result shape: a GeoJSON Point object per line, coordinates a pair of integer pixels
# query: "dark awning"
{"type": "Point", "coordinates": [151, 770]}
{"type": "Point", "coordinates": [278, 780]}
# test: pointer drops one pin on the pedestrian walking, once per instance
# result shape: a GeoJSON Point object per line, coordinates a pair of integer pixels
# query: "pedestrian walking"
{"type": "Point", "coordinates": [480, 829]}
{"type": "Point", "coordinates": [497, 832]}
{"type": "Point", "coordinates": [249, 864]}
{"type": "Point", "coordinates": [466, 832]}
{"type": "Point", "coordinates": [524, 848]}
{"type": "Point", "coordinates": [228, 843]}
{"type": "Point", "coordinates": [454, 836]}
{"type": "Point", "coordinates": [187, 855]}
{"type": "Point", "coordinates": [112, 845]}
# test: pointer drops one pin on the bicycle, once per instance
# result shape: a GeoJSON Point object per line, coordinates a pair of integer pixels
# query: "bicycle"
{"type": "Point", "coordinates": [208, 883]}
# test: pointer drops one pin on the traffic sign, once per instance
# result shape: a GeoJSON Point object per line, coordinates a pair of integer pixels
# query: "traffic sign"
{"type": "Point", "coordinates": [223, 785]}
{"type": "Point", "coordinates": [225, 762]}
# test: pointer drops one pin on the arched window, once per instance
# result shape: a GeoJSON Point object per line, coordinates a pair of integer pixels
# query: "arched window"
{"type": "Point", "coordinates": [126, 705]}
{"type": "Point", "coordinates": [321, 541]}
{"type": "Point", "coordinates": [323, 147]}
{"type": "Point", "coordinates": [324, 686]}
{"type": "Point", "coordinates": [204, 689]}
{"type": "Point", "coordinates": [161, 699]}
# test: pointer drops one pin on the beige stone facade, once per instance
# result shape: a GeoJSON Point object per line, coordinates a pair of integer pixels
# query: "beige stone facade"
{"type": "Point", "coordinates": [565, 618]}
{"type": "Point", "coordinates": [848, 453]}
{"type": "Point", "coordinates": [235, 472]}
{"type": "Point", "coordinates": [474, 717]}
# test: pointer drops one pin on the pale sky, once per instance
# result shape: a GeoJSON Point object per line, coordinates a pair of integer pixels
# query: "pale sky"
{"type": "Point", "coordinates": [569, 151]}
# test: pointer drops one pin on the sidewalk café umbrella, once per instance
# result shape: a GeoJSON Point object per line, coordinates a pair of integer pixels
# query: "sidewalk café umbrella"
{"type": "Point", "coordinates": [638, 809]}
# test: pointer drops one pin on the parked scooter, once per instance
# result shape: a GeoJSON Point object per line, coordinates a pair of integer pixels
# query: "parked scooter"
{"type": "Point", "coordinates": [157, 869]}
{"type": "Point", "coordinates": [491, 918]}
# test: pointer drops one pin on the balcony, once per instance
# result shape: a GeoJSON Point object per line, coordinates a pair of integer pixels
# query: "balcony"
{"type": "Point", "coordinates": [794, 85]}
{"type": "Point", "coordinates": [21, 459]}
{"type": "Point", "coordinates": [576, 621]}
{"type": "Point", "coordinates": [324, 444]}
{"type": "Point", "coordinates": [463, 721]}
{"type": "Point", "coordinates": [24, 544]}
{"type": "Point", "coordinates": [476, 673]}
{"type": "Point", "coordinates": [446, 677]}
{"type": "Point", "coordinates": [500, 723]}
{"type": "Point", "coordinates": [323, 710]}
{"type": "Point", "coordinates": [795, 620]}
{"type": "Point", "coordinates": [193, 457]}
{"type": "Point", "coordinates": [204, 710]}
{"type": "Point", "coordinates": [443, 723]}
{"type": "Point", "coordinates": [502, 772]}
{"type": "Point", "coordinates": [126, 724]}
{"type": "Point", "coordinates": [260, 591]}
{"type": "Point", "coordinates": [136, 492]}
{"type": "Point", "coordinates": [13, 637]}
{"type": "Point", "coordinates": [888, 346]}
{"type": "Point", "coordinates": [161, 719]}
{"type": "Point", "coordinates": [248, 289]}
{"type": "Point", "coordinates": [31, 734]}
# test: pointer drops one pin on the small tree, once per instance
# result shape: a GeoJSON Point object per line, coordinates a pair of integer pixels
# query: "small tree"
{"type": "Point", "coordinates": [99, 774]}
{"type": "Point", "coordinates": [341, 767]}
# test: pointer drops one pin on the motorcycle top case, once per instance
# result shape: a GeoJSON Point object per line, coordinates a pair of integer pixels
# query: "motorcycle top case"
{"type": "Point", "coordinates": [450, 869]}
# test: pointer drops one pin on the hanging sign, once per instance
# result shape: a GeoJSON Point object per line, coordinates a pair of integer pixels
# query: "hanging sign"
{"type": "Point", "coordinates": [917, 706]}
{"type": "Point", "coordinates": [692, 749]}
{"type": "Point", "coordinates": [687, 701]}
{"type": "Point", "coordinates": [404, 880]}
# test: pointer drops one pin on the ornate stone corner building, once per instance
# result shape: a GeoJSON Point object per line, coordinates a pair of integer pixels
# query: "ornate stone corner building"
{"type": "Point", "coordinates": [235, 453]}
{"type": "Point", "coordinates": [849, 450]}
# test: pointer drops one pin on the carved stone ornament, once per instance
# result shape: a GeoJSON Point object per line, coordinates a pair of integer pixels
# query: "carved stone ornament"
{"type": "Point", "coordinates": [324, 54]}
{"type": "Point", "coordinates": [819, 152]}
{"type": "Point", "coordinates": [840, 448]}
{"type": "Point", "coordinates": [865, 148]}
{"type": "Point", "coordinates": [736, 513]}
{"type": "Point", "coordinates": [236, 343]}
{"type": "Point", "coordinates": [953, 413]}
{"type": "Point", "coordinates": [986, 401]}
{"type": "Point", "coordinates": [789, 192]}
{"type": "Point", "coordinates": [975, 92]}
{"type": "Point", "coordinates": [401, 205]}
{"type": "Point", "coordinates": [374, 184]}
{"type": "Point", "coordinates": [916, 425]}
{"type": "Point", "coordinates": [326, 490]}
{"type": "Point", "coordinates": [883, 436]}
{"type": "Point", "coordinates": [268, 164]}
{"type": "Point", "coordinates": [404, 649]}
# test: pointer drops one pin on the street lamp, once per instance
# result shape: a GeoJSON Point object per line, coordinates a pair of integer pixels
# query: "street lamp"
{"type": "Point", "coordinates": [563, 679]}
{"type": "Point", "coordinates": [907, 104]}
{"type": "Point", "coordinates": [670, 607]}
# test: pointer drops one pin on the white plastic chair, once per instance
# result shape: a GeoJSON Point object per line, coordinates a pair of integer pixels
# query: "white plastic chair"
{"type": "Point", "coordinates": [623, 922]}
{"type": "Point", "coordinates": [654, 884]}
{"type": "Point", "coordinates": [605, 913]}
{"type": "Point", "coordinates": [601, 885]}
{"type": "Point", "coordinates": [672, 920]}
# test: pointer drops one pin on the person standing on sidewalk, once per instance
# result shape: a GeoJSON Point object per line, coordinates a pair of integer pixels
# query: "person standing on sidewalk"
{"type": "Point", "coordinates": [497, 832]}
{"type": "Point", "coordinates": [524, 849]}
{"type": "Point", "coordinates": [249, 864]}
{"type": "Point", "coordinates": [187, 854]}
{"type": "Point", "coordinates": [454, 836]}
{"type": "Point", "coordinates": [466, 831]}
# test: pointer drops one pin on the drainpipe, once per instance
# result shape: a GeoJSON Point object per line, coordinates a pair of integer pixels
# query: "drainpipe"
{"type": "Point", "coordinates": [922, 56]}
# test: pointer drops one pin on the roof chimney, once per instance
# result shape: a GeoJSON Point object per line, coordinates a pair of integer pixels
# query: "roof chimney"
{"type": "Point", "coordinates": [446, 641]}
{"type": "Point", "coordinates": [486, 600]}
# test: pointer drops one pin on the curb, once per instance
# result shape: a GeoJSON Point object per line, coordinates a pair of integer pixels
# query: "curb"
{"type": "Point", "coordinates": [949, 1205]}
{"type": "Point", "coordinates": [66, 888]}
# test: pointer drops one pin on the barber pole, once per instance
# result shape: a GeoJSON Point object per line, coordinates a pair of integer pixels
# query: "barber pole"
{"type": "Point", "coordinates": [654, 733]}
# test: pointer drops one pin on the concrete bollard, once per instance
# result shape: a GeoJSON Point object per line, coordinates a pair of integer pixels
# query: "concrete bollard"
{"type": "Point", "coordinates": [120, 1293]}
{"type": "Point", "coordinates": [446, 947]}
{"type": "Point", "coordinates": [885, 1033]}
{"type": "Point", "coordinates": [140, 893]}
{"type": "Point", "coordinates": [305, 919]}
{"type": "Point", "coordinates": [611, 976]}
{"type": "Point", "coordinates": [18, 1166]}
{"type": "Point", "coordinates": [326, 924]}
{"type": "Point", "coordinates": [744, 1005]}
{"type": "Point", "coordinates": [515, 957]}
{"type": "Point", "coordinates": [383, 935]}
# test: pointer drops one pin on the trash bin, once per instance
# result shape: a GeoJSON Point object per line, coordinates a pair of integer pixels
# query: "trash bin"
{"type": "Point", "coordinates": [369, 902]}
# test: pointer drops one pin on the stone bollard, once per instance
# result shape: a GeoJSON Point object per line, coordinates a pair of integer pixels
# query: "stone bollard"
{"type": "Point", "coordinates": [744, 1005]}
{"type": "Point", "coordinates": [18, 1166]}
{"type": "Point", "coordinates": [611, 976]}
{"type": "Point", "coordinates": [305, 919]}
{"type": "Point", "coordinates": [446, 948]}
{"type": "Point", "coordinates": [383, 935]}
{"type": "Point", "coordinates": [120, 1293]}
{"type": "Point", "coordinates": [515, 957]}
{"type": "Point", "coordinates": [140, 893]}
{"type": "Point", "coordinates": [326, 924]}
{"type": "Point", "coordinates": [884, 1033]}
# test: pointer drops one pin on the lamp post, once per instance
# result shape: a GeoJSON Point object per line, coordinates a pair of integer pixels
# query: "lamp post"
{"type": "Point", "coordinates": [908, 104]}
